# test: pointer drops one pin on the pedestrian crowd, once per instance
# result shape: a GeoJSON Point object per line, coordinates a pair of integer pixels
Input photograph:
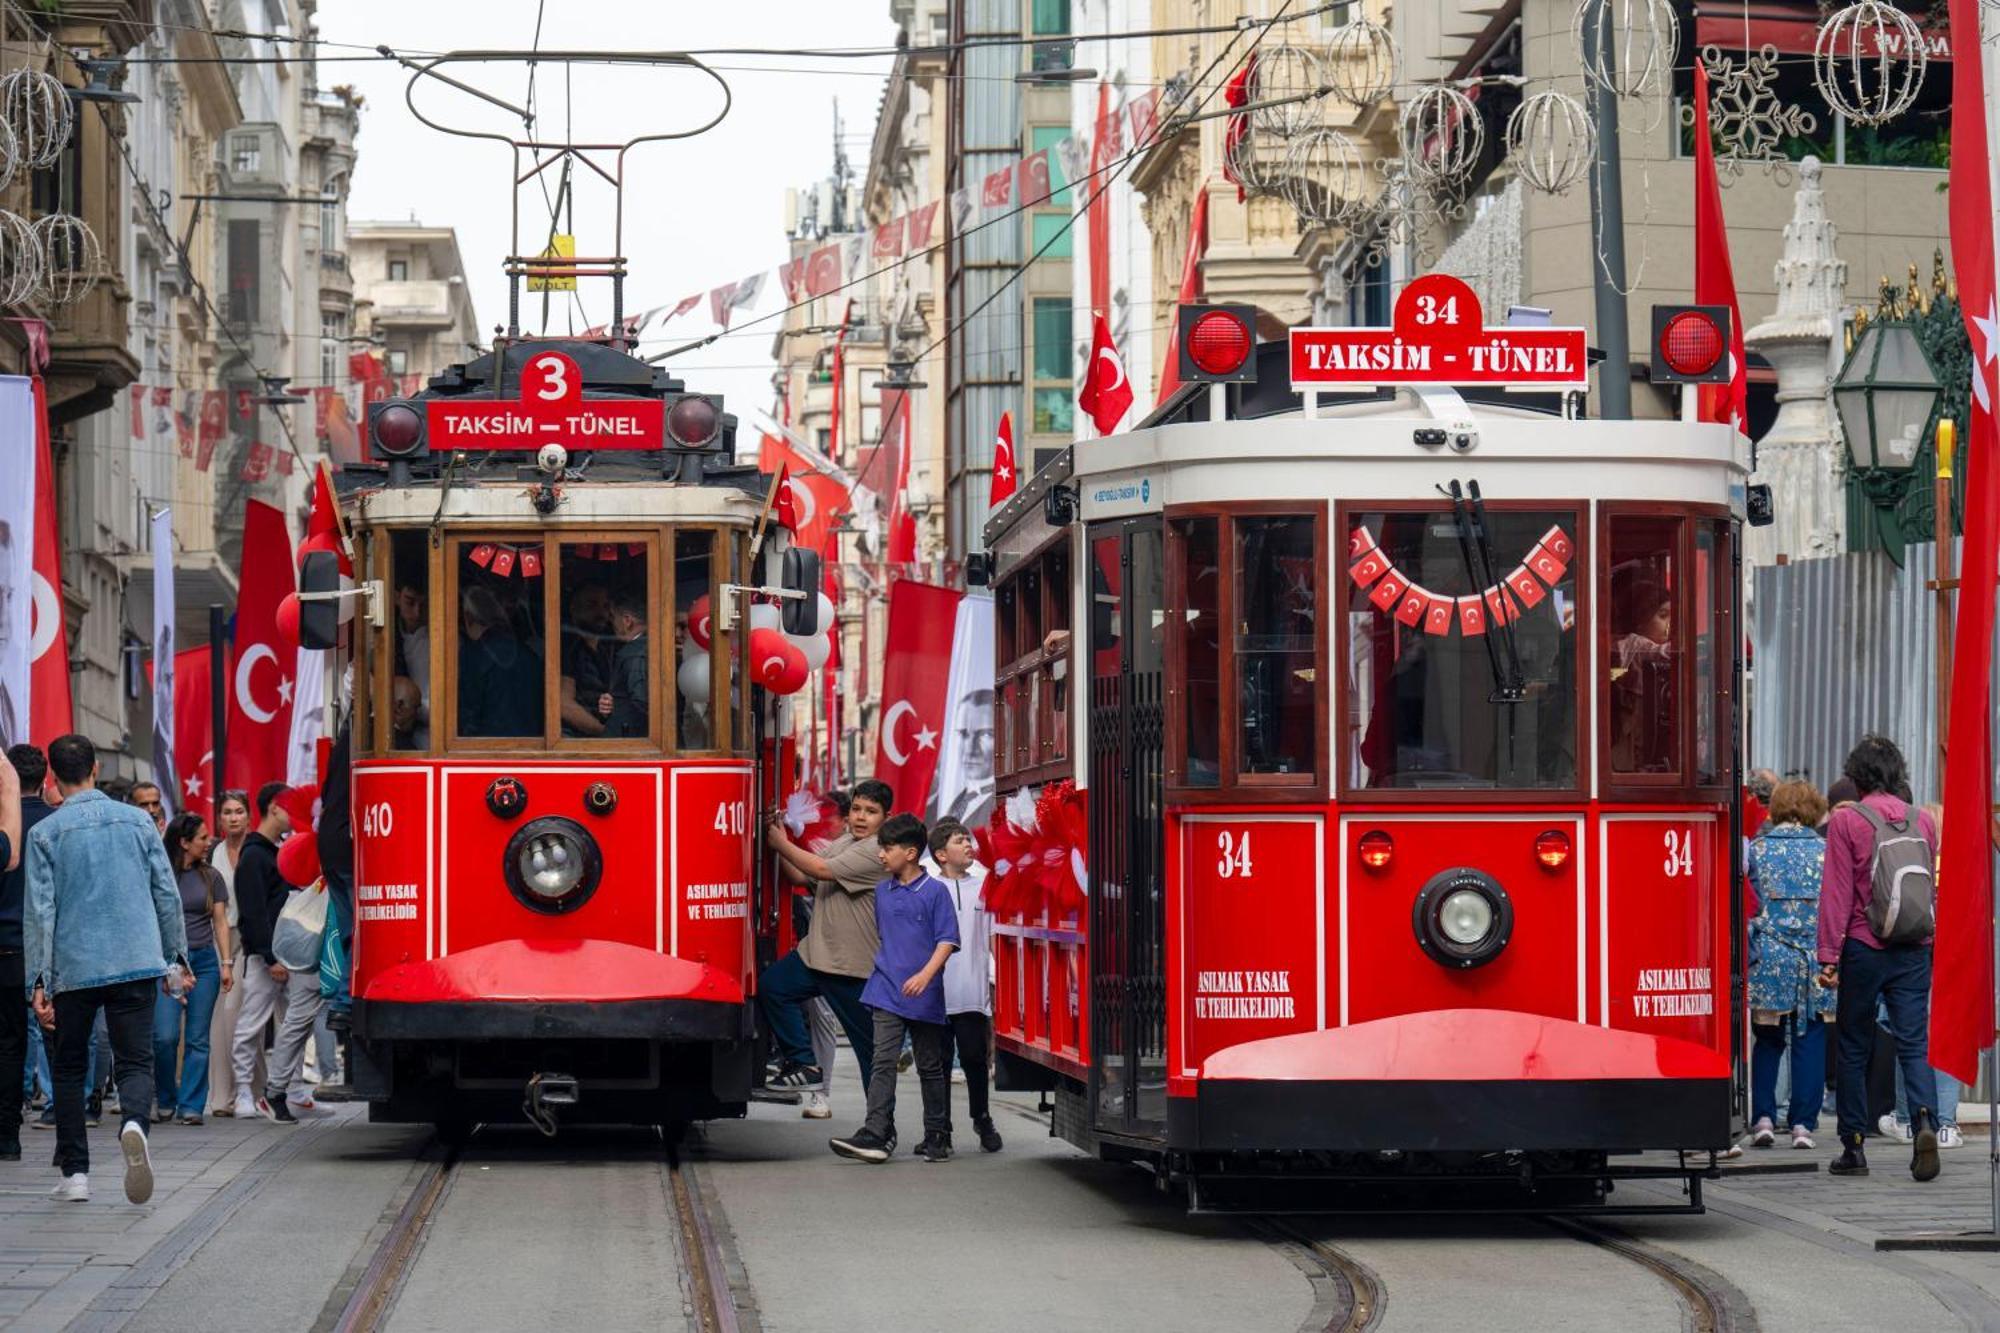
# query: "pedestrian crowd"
{"type": "Point", "coordinates": [1842, 898]}
{"type": "Point", "coordinates": [143, 946]}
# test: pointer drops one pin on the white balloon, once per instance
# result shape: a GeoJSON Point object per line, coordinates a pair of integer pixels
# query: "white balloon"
{"type": "Point", "coordinates": [765, 616]}
{"type": "Point", "coordinates": [826, 613]}
{"type": "Point", "coordinates": [346, 603]}
{"type": "Point", "coordinates": [816, 647]}
{"type": "Point", "coordinates": [694, 680]}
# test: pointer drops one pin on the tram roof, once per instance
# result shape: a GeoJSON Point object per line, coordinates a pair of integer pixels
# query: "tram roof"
{"type": "Point", "coordinates": [510, 503]}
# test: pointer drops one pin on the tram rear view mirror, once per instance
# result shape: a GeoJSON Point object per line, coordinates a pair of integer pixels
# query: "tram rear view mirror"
{"type": "Point", "coordinates": [1758, 508]}
{"type": "Point", "coordinates": [799, 614]}
{"type": "Point", "coordinates": [319, 601]}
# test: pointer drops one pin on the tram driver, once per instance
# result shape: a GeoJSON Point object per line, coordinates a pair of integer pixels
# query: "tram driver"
{"type": "Point", "coordinates": [499, 676]}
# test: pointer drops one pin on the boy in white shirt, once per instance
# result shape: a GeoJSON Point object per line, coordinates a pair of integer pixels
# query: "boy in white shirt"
{"type": "Point", "coordinates": [968, 973]}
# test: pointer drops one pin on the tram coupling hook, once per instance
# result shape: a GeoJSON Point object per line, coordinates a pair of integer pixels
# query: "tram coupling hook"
{"type": "Point", "coordinates": [545, 1093]}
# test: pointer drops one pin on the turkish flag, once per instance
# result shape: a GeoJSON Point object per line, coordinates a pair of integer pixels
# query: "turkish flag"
{"type": "Point", "coordinates": [1004, 478]}
{"type": "Point", "coordinates": [719, 301]}
{"type": "Point", "coordinates": [194, 731]}
{"type": "Point", "coordinates": [1962, 982]}
{"type": "Point", "coordinates": [999, 187]}
{"type": "Point", "coordinates": [792, 277]}
{"type": "Point", "coordinates": [1170, 375]}
{"type": "Point", "coordinates": [1107, 389]}
{"type": "Point", "coordinates": [814, 499]}
{"type": "Point", "coordinates": [915, 672]}
{"type": "Point", "coordinates": [1145, 118]}
{"type": "Point", "coordinates": [901, 545]}
{"type": "Point", "coordinates": [323, 521]}
{"type": "Point", "coordinates": [921, 222]}
{"type": "Point", "coordinates": [260, 681]}
{"type": "Point", "coordinates": [48, 633]}
{"type": "Point", "coordinates": [888, 240]}
{"type": "Point", "coordinates": [1714, 280]}
{"type": "Point", "coordinates": [1034, 172]}
{"type": "Point", "coordinates": [1236, 94]}
{"type": "Point", "coordinates": [823, 271]}
{"type": "Point", "coordinates": [213, 425]}
{"type": "Point", "coordinates": [687, 303]}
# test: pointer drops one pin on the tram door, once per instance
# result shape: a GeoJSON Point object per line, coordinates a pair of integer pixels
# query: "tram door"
{"type": "Point", "coordinates": [1127, 720]}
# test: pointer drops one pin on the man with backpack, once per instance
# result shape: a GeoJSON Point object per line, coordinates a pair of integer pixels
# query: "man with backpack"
{"type": "Point", "coordinates": [1876, 922]}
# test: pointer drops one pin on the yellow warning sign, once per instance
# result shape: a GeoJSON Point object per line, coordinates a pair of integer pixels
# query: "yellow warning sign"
{"type": "Point", "coordinates": [561, 247]}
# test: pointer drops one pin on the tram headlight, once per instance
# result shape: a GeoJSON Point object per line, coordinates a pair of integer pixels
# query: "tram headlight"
{"type": "Point", "coordinates": [1466, 917]}
{"type": "Point", "coordinates": [552, 865]}
{"type": "Point", "coordinates": [1462, 918]}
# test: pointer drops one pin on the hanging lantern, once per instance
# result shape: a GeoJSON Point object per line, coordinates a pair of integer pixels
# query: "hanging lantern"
{"type": "Point", "coordinates": [1257, 163]}
{"type": "Point", "coordinates": [1869, 61]}
{"type": "Point", "coordinates": [1326, 183]}
{"type": "Point", "coordinates": [1442, 137]}
{"type": "Point", "coordinates": [10, 154]}
{"type": "Point", "coordinates": [37, 108]}
{"type": "Point", "coordinates": [1635, 57]}
{"type": "Point", "coordinates": [1552, 141]}
{"type": "Point", "coordinates": [20, 260]}
{"type": "Point", "coordinates": [1361, 62]}
{"type": "Point", "coordinates": [71, 257]}
{"type": "Point", "coordinates": [1286, 71]}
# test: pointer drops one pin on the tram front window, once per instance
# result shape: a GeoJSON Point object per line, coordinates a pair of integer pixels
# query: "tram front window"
{"type": "Point", "coordinates": [1277, 678]}
{"type": "Point", "coordinates": [694, 557]}
{"type": "Point", "coordinates": [1428, 651]}
{"type": "Point", "coordinates": [1201, 649]}
{"type": "Point", "coordinates": [500, 649]}
{"type": "Point", "coordinates": [1645, 650]}
{"type": "Point", "coordinates": [605, 686]}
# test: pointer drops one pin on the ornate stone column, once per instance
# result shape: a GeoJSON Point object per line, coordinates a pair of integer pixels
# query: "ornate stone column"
{"type": "Point", "coordinates": [1801, 457]}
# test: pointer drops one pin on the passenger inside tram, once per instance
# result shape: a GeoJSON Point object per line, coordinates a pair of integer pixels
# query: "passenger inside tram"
{"type": "Point", "coordinates": [693, 560]}
{"type": "Point", "coordinates": [499, 670]}
{"type": "Point", "coordinates": [587, 646]}
{"type": "Point", "coordinates": [407, 728]}
{"type": "Point", "coordinates": [1644, 659]}
{"type": "Point", "coordinates": [624, 703]}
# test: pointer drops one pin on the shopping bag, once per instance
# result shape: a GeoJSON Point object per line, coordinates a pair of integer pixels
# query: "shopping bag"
{"type": "Point", "coordinates": [301, 928]}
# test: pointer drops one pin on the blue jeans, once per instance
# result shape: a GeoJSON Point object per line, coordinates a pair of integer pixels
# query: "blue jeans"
{"type": "Point", "coordinates": [787, 984]}
{"type": "Point", "coordinates": [1807, 1038]}
{"type": "Point", "coordinates": [1901, 978]}
{"type": "Point", "coordinates": [38, 1076]}
{"type": "Point", "coordinates": [176, 1024]}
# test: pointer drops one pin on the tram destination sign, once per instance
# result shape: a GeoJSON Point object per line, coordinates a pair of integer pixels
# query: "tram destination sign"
{"type": "Point", "coordinates": [1439, 337]}
{"type": "Point", "coordinates": [550, 410]}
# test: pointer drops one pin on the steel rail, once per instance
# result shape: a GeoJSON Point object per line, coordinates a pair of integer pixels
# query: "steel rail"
{"type": "Point", "coordinates": [1710, 1303]}
{"type": "Point", "coordinates": [375, 1294]}
{"type": "Point", "coordinates": [701, 1253]}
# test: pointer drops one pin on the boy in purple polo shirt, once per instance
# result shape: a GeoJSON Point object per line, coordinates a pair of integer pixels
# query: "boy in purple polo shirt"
{"type": "Point", "coordinates": [918, 929]}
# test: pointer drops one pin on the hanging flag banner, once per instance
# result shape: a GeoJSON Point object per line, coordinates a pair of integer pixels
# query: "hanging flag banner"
{"type": "Point", "coordinates": [963, 789]}
{"type": "Point", "coordinates": [921, 222]}
{"type": "Point", "coordinates": [164, 771]}
{"type": "Point", "coordinates": [1004, 477]}
{"type": "Point", "coordinates": [915, 680]}
{"type": "Point", "coordinates": [1394, 594]}
{"type": "Point", "coordinates": [262, 679]}
{"type": "Point", "coordinates": [49, 714]}
{"type": "Point", "coordinates": [1438, 337]}
{"type": "Point", "coordinates": [18, 588]}
{"type": "Point", "coordinates": [194, 733]}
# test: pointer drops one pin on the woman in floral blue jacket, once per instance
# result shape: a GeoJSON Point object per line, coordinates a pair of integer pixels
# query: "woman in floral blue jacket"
{"type": "Point", "coordinates": [1787, 1008]}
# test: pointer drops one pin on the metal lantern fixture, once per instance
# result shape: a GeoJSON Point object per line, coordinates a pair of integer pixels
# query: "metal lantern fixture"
{"type": "Point", "coordinates": [1361, 62]}
{"type": "Point", "coordinates": [1641, 37]}
{"type": "Point", "coordinates": [37, 108]}
{"type": "Point", "coordinates": [1869, 61]}
{"type": "Point", "coordinates": [1286, 71]}
{"type": "Point", "coordinates": [1885, 394]}
{"type": "Point", "coordinates": [1552, 141]}
{"type": "Point", "coordinates": [20, 259]}
{"type": "Point", "coordinates": [1259, 167]}
{"type": "Point", "coordinates": [1326, 182]}
{"type": "Point", "coordinates": [72, 259]}
{"type": "Point", "coordinates": [1442, 137]}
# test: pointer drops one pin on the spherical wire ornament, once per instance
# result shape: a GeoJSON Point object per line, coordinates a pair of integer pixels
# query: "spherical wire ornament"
{"type": "Point", "coordinates": [1552, 141]}
{"type": "Point", "coordinates": [1869, 61]}
{"type": "Point", "coordinates": [1326, 182]}
{"type": "Point", "coordinates": [20, 260]}
{"type": "Point", "coordinates": [1636, 56]}
{"type": "Point", "coordinates": [1361, 62]}
{"type": "Point", "coordinates": [1256, 158]}
{"type": "Point", "coordinates": [38, 110]}
{"type": "Point", "coordinates": [1442, 137]}
{"type": "Point", "coordinates": [10, 154]}
{"type": "Point", "coordinates": [1286, 72]}
{"type": "Point", "coordinates": [72, 260]}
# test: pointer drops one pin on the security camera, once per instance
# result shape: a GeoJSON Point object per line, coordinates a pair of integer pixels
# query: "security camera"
{"type": "Point", "coordinates": [552, 459]}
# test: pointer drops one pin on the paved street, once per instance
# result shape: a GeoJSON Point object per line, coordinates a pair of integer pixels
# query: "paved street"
{"type": "Point", "coordinates": [255, 1227]}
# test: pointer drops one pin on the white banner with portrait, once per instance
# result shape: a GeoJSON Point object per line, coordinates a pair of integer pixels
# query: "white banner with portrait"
{"type": "Point", "coordinates": [963, 789]}
{"type": "Point", "coordinates": [164, 649]}
{"type": "Point", "coordinates": [17, 554]}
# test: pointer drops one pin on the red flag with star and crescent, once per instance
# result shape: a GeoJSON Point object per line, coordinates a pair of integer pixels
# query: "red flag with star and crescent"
{"type": "Point", "coordinates": [1962, 979]}
{"type": "Point", "coordinates": [194, 732]}
{"type": "Point", "coordinates": [1107, 389]}
{"type": "Point", "coordinates": [1714, 278]}
{"type": "Point", "coordinates": [916, 675]}
{"type": "Point", "coordinates": [261, 665]}
{"type": "Point", "coordinates": [49, 701]}
{"type": "Point", "coordinates": [814, 499]}
{"type": "Point", "coordinates": [1004, 478]}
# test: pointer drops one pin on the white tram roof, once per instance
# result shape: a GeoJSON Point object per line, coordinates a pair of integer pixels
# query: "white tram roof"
{"type": "Point", "coordinates": [487, 503]}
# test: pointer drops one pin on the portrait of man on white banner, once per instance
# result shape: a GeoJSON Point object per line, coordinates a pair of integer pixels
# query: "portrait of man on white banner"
{"type": "Point", "coordinates": [163, 662]}
{"type": "Point", "coordinates": [17, 554]}
{"type": "Point", "coordinates": [964, 786]}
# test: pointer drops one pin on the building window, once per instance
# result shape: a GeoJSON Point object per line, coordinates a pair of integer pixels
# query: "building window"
{"type": "Point", "coordinates": [246, 155]}
{"type": "Point", "coordinates": [1051, 16]}
{"type": "Point", "coordinates": [1053, 230]}
{"type": "Point", "coordinates": [1053, 379]}
{"type": "Point", "coordinates": [332, 344]}
{"type": "Point", "coordinates": [399, 362]}
{"type": "Point", "coordinates": [329, 215]}
{"type": "Point", "coordinates": [399, 270]}
{"type": "Point", "coordinates": [246, 257]}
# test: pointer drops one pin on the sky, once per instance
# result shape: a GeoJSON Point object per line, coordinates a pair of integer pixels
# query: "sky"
{"type": "Point", "coordinates": [699, 212]}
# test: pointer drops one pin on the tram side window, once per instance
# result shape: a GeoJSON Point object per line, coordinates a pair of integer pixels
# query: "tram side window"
{"type": "Point", "coordinates": [606, 686]}
{"type": "Point", "coordinates": [1705, 588]}
{"type": "Point", "coordinates": [1645, 645]}
{"type": "Point", "coordinates": [410, 639]}
{"type": "Point", "coordinates": [694, 555]}
{"type": "Point", "coordinates": [1201, 650]}
{"type": "Point", "coordinates": [1277, 583]}
{"type": "Point", "coordinates": [500, 640]}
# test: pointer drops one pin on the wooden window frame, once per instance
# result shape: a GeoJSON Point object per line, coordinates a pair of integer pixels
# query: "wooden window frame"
{"type": "Point", "coordinates": [1040, 731]}
{"type": "Point", "coordinates": [1233, 785]}
{"type": "Point", "coordinates": [1580, 567]}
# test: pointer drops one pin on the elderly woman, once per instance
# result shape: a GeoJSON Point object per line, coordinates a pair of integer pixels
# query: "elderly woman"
{"type": "Point", "coordinates": [1786, 1007]}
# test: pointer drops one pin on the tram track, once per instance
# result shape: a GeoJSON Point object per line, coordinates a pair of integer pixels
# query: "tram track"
{"type": "Point", "coordinates": [1710, 1303]}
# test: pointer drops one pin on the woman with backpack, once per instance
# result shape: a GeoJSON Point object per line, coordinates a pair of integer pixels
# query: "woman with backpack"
{"type": "Point", "coordinates": [1876, 923]}
{"type": "Point", "coordinates": [183, 1020]}
{"type": "Point", "coordinates": [1786, 1007]}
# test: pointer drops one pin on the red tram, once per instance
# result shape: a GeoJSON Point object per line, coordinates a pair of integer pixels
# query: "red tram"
{"type": "Point", "coordinates": [1407, 727]}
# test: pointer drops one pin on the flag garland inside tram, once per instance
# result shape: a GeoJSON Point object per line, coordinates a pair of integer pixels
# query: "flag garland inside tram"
{"type": "Point", "coordinates": [1393, 593]}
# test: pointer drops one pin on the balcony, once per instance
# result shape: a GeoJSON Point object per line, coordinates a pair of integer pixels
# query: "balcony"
{"type": "Point", "coordinates": [335, 278]}
{"type": "Point", "coordinates": [426, 304]}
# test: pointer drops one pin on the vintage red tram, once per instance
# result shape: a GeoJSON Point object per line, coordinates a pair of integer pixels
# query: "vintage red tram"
{"type": "Point", "coordinates": [1407, 729]}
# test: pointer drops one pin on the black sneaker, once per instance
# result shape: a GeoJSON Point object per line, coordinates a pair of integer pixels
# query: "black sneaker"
{"type": "Point", "coordinates": [281, 1113]}
{"type": "Point", "coordinates": [798, 1076]}
{"type": "Point", "coordinates": [1852, 1160]}
{"type": "Point", "coordinates": [93, 1114]}
{"type": "Point", "coordinates": [10, 1150]}
{"type": "Point", "coordinates": [989, 1137]}
{"type": "Point", "coordinates": [863, 1146]}
{"type": "Point", "coordinates": [1924, 1145]}
{"type": "Point", "coordinates": [935, 1148]}
{"type": "Point", "coordinates": [46, 1120]}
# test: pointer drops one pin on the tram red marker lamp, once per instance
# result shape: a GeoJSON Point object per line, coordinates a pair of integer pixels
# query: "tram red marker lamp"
{"type": "Point", "coordinates": [1690, 344]}
{"type": "Point", "coordinates": [506, 797]}
{"type": "Point", "coordinates": [1218, 344]}
{"type": "Point", "coordinates": [397, 428]}
{"type": "Point", "coordinates": [693, 422]}
{"type": "Point", "coordinates": [1377, 849]}
{"type": "Point", "coordinates": [1552, 849]}
{"type": "Point", "coordinates": [600, 798]}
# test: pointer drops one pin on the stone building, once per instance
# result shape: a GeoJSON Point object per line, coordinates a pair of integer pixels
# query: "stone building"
{"type": "Point", "coordinates": [410, 296]}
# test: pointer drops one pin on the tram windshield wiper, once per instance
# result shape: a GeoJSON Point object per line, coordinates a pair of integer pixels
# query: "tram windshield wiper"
{"type": "Point", "coordinates": [1513, 689]}
{"type": "Point", "coordinates": [1462, 528]}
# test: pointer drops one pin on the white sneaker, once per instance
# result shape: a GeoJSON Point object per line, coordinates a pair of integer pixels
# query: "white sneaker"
{"type": "Point", "coordinates": [72, 1189]}
{"type": "Point", "coordinates": [813, 1106]}
{"type": "Point", "coordinates": [245, 1108]}
{"type": "Point", "coordinates": [307, 1109]}
{"type": "Point", "coordinates": [1763, 1134]}
{"type": "Point", "coordinates": [138, 1162]}
{"type": "Point", "coordinates": [1801, 1137]}
{"type": "Point", "coordinates": [1949, 1137]}
{"type": "Point", "coordinates": [1892, 1128]}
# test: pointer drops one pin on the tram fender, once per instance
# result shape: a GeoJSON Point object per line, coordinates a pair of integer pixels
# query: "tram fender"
{"type": "Point", "coordinates": [544, 971]}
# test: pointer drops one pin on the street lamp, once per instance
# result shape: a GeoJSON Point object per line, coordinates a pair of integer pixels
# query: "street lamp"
{"type": "Point", "coordinates": [1885, 395]}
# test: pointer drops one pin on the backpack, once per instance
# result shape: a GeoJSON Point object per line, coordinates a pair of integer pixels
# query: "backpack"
{"type": "Point", "coordinates": [1902, 901]}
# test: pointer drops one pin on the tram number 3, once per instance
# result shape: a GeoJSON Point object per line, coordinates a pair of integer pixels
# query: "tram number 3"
{"type": "Point", "coordinates": [1233, 855]}
{"type": "Point", "coordinates": [1680, 853]}
{"type": "Point", "coordinates": [555, 377]}
{"type": "Point", "coordinates": [731, 817]}
{"type": "Point", "coordinates": [377, 819]}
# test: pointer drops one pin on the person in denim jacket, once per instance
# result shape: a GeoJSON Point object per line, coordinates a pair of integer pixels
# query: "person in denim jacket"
{"type": "Point", "coordinates": [1786, 1006]}
{"type": "Point", "coordinates": [103, 927]}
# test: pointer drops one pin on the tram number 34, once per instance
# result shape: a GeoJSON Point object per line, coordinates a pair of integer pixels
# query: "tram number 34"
{"type": "Point", "coordinates": [1233, 855]}
{"type": "Point", "coordinates": [378, 818]}
{"type": "Point", "coordinates": [1680, 853]}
